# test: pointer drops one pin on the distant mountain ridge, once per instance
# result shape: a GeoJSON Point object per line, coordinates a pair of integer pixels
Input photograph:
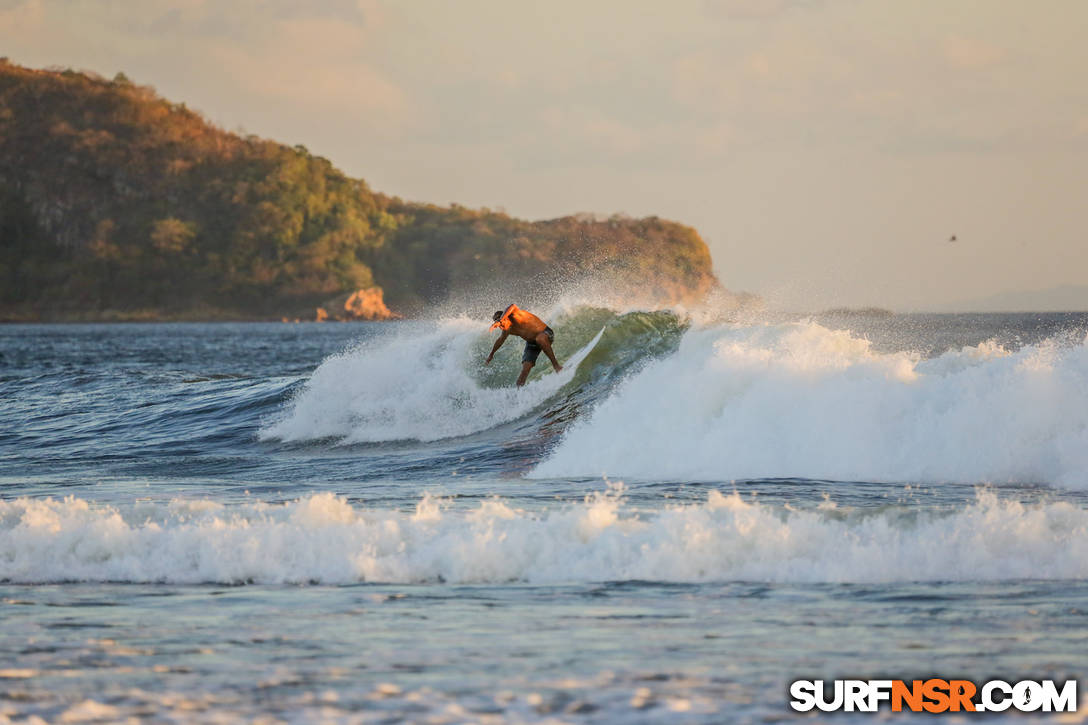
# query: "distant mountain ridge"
{"type": "Point", "coordinates": [117, 203]}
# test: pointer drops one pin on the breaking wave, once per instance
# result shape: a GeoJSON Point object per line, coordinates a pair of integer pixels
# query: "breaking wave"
{"type": "Point", "coordinates": [654, 396]}
{"type": "Point", "coordinates": [430, 383]}
{"type": "Point", "coordinates": [800, 400]}
{"type": "Point", "coordinates": [324, 539]}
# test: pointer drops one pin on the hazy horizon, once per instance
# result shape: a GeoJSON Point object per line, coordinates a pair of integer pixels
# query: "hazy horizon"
{"type": "Point", "coordinates": [826, 152]}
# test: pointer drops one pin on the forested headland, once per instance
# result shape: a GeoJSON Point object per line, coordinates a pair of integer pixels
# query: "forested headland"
{"type": "Point", "coordinates": [116, 203]}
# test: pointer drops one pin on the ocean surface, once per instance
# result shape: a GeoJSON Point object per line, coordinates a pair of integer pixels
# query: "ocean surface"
{"type": "Point", "coordinates": [363, 523]}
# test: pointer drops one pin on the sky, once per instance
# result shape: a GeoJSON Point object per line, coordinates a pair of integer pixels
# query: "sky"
{"type": "Point", "coordinates": [826, 151]}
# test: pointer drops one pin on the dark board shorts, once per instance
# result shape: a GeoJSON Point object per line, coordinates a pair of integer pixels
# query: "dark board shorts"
{"type": "Point", "coordinates": [532, 350]}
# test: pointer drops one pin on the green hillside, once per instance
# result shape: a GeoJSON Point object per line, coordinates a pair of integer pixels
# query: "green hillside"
{"type": "Point", "coordinates": [115, 202]}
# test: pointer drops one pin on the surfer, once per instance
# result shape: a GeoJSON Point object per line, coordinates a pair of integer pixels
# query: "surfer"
{"type": "Point", "coordinates": [530, 328]}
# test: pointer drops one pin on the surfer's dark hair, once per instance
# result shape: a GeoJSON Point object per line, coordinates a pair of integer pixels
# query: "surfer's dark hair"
{"type": "Point", "coordinates": [497, 316]}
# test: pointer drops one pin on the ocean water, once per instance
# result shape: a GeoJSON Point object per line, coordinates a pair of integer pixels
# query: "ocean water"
{"type": "Point", "coordinates": [363, 523]}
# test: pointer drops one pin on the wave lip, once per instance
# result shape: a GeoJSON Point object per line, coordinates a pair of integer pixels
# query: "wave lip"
{"type": "Point", "coordinates": [323, 539]}
{"type": "Point", "coordinates": [799, 400]}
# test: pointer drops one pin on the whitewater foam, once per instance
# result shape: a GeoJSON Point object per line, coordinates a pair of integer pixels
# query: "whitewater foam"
{"type": "Point", "coordinates": [413, 386]}
{"type": "Point", "coordinates": [800, 400]}
{"type": "Point", "coordinates": [325, 539]}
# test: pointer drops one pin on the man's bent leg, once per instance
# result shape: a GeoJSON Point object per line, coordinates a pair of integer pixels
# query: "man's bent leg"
{"type": "Point", "coordinates": [545, 343]}
{"type": "Point", "coordinates": [525, 368]}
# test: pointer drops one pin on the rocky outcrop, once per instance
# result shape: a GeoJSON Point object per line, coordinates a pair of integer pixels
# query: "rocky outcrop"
{"type": "Point", "coordinates": [363, 304]}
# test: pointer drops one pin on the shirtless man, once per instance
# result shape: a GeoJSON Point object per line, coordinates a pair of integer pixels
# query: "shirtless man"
{"type": "Point", "coordinates": [530, 328]}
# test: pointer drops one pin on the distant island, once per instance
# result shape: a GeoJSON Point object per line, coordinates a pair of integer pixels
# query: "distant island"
{"type": "Point", "coordinates": [857, 312]}
{"type": "Point", "coordinates": [116, 203]}
{"type": "Point", "coordinates": [1063, 298]}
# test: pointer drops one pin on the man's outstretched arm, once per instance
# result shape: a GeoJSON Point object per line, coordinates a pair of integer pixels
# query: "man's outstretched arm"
{"type": "Point", "coordinates": [498, 344]}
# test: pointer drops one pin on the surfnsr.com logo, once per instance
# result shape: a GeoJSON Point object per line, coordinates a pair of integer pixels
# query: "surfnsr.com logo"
{"type": "Point", "coordinates": [933, 695]}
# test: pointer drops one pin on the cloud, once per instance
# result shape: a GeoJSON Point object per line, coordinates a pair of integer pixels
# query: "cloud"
{"type": "Point", "coordinates": [317, 62]}
{"type": "Point", "coordinates": [281, 68]}
{"type": "Point", "coordinates": [585, 137]}
{"type": "Point", "coordinates": [970, 53]}
{"type": "Point", "coordinates": [594, 130]}
{"type": "Point", "coordinates": [21, 17]}
{"type": "Point", "coordinates": [372, 13]}
{"type": "Point", "coordinates": [753, 9]}
{"type": "Point", "coordinates": [758, 65]}
{"type": "Point", "coordinates": [715, 140]}
{"type": "Point", "coordinates": [888, 102]}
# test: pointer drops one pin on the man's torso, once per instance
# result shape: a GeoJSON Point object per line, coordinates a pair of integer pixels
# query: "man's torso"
{"type": "Point", "coordinates": [525, 325]}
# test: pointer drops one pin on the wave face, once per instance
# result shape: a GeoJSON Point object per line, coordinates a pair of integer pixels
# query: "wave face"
{"type": "Point", "coordinates": [323, 539]}
{"type": "Point", "coordinates": [431, 384]}
{"type": "Point", "coordinates": [800, 400]}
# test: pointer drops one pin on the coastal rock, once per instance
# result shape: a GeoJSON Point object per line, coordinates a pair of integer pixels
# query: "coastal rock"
{"type": "Point", "coordinates": [363, 304]}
